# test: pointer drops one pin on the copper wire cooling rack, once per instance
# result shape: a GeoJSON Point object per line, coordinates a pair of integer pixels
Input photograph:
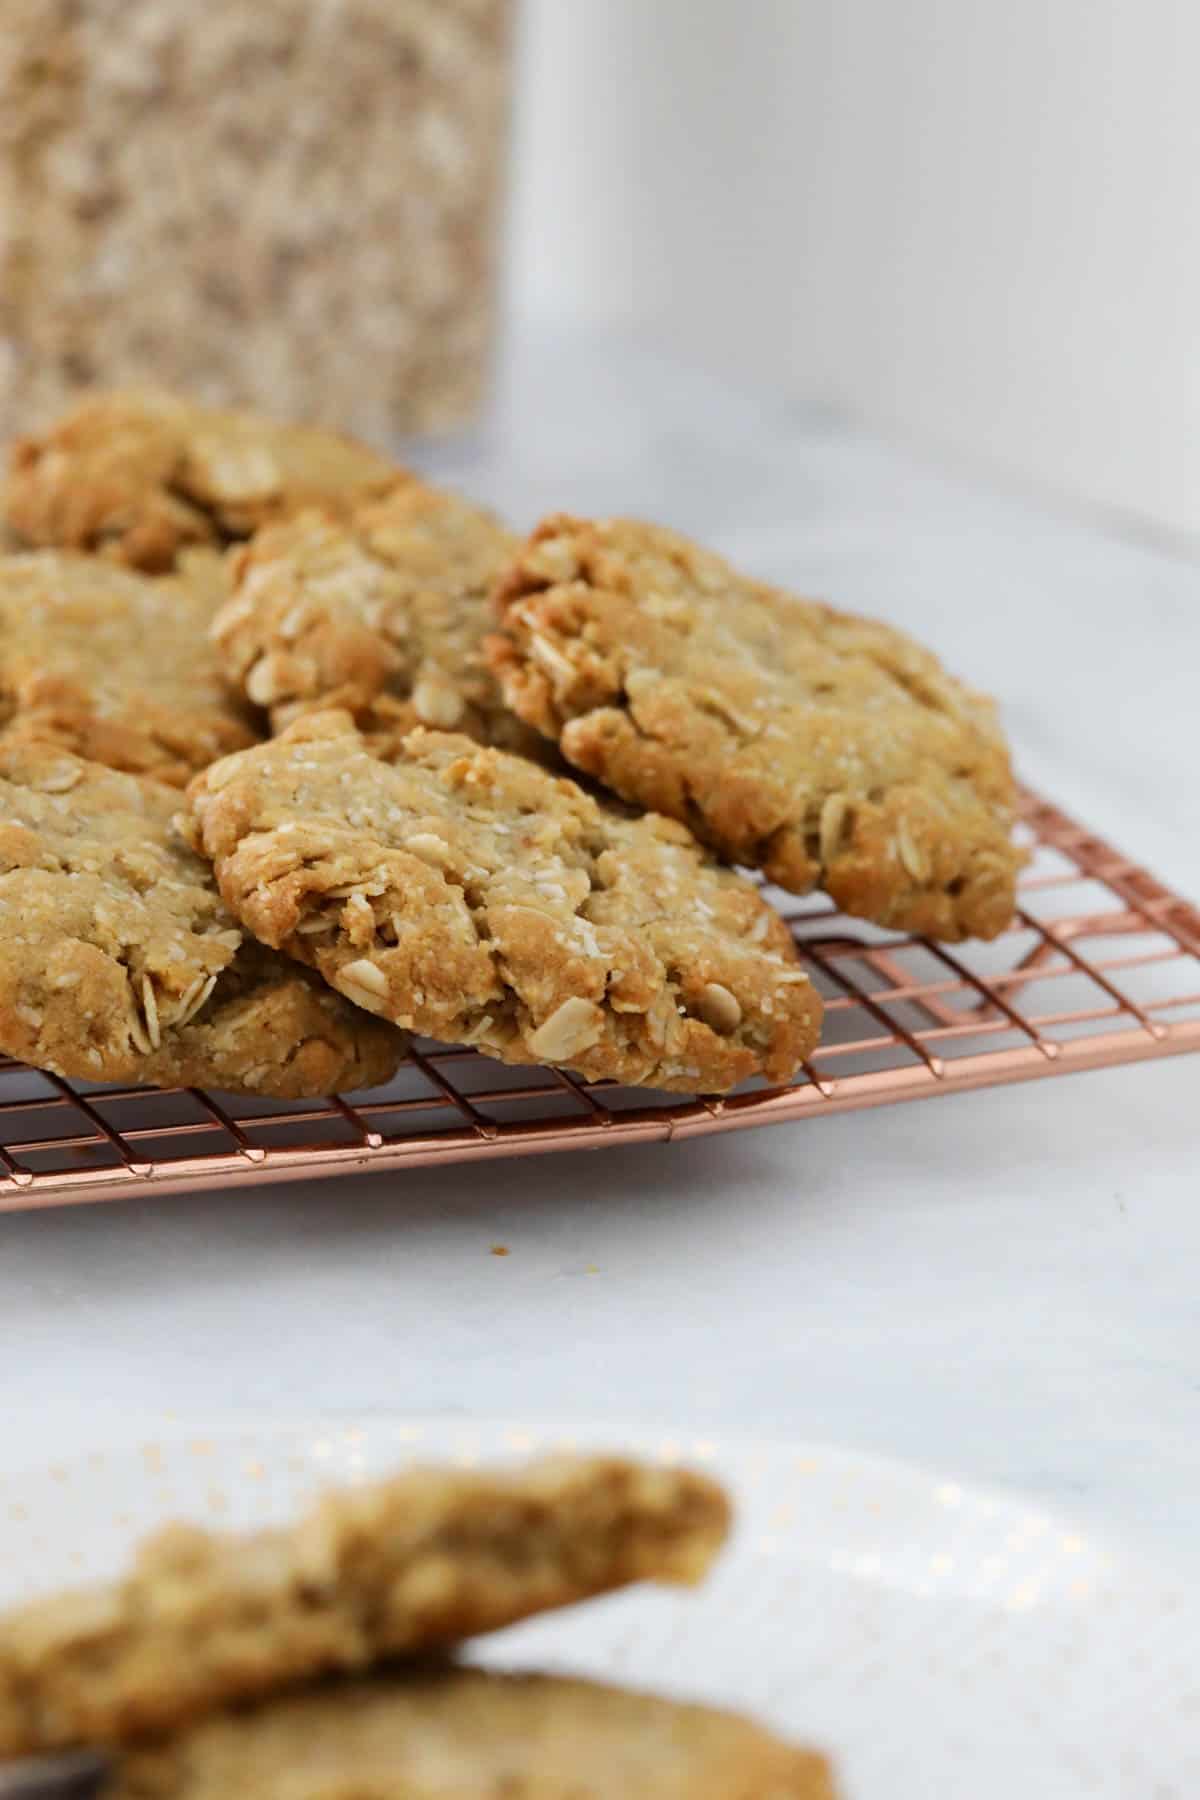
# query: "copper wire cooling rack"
{"type": "Point", "coordinates": [1101, 966]}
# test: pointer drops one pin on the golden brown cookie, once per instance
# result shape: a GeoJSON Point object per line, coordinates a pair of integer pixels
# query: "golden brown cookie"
{"type": "Point", "coordinates": [114, 665]}
{"type": "Point", "coordinates": [468, 1734]}
{"type": "Point", "coordinates": [825, 749]}
{"type": "Point", "coordinates": [424, 1560]}
{"type": "Point", "coordinates": [383, 613]}
{"type": "Point", "coordinates": [138, 476]}
{"type": "Point", "coordinates": [479, 899]}
{"type": "Point", "coordinates": [118, 961]}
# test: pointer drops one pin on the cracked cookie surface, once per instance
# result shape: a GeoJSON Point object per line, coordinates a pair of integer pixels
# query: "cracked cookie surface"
{"type": "Point", "coordinates": [138, 476]}
{"type": "Point", "coordinates": [394, 1568]}
{"type": "Point", "coordinates": [118, 961]}
{"type": "Point", "coordinates": [383, 613]}
{"type": "Point", "coordinates": [114, 665]}
{"type": "Point", "coordinates": [826, 749]}
{"type": "Point", "coordinates": [450, 1733]}
{"type": "Point", "coordinates": [478, 899]}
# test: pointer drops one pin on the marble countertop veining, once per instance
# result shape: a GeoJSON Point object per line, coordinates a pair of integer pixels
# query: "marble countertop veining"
{"type": "Point", "coordinates": [1003, 1286]}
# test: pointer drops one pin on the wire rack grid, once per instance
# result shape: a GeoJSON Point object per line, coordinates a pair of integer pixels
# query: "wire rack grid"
{"type": "Point", "coordinates": [1100, 966]}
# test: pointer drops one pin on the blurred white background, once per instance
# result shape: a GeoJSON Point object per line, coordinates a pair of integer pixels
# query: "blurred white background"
{"type": "Point", "coordinates": [967, 222]}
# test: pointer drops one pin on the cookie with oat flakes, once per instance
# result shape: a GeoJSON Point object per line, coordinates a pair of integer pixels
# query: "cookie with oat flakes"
{"type": "Point", "coordinates": [388, 1569]}
{"type": "Point", "coordinates": [825, 749]}
{"type": "Point", "coordinates": [114, 665]}
{"type": "Point", "coordinates": [429, 1733]}
{"type": "Point", "coordinates": [118, 961]}
{"type": "Point", "coordinates": [383, 612]}
{"type": "Point", "coordinates": [476, 898]}
{"type": "Point", "coordinates": [138, 476]}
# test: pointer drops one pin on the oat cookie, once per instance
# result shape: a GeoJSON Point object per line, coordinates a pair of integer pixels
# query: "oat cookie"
{"type": "Point", "coordinates": [114, 665]}
{"type": "Point", "coordinates": [137, 476]}
{"type": "Point", "coordinates": [479, 899]}
{"type": "Point", "coordinates": [826, 749]}
{"type": "Point", "coordinates": [424, 1560]}
{"type": "Point", "coordinates": [118, 961]}
{"type": "Point", "coordinates": [383, 613]}
{"type": "Point", "coordinates": [471, 1734]}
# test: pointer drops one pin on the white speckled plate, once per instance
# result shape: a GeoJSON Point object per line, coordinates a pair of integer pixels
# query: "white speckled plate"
{"type": "Point", "coordinates": [942, 1643]}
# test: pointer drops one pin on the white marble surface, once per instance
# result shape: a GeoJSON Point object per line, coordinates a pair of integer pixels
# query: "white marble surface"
{"type": "Point", "coordinates": [1003, 1285]}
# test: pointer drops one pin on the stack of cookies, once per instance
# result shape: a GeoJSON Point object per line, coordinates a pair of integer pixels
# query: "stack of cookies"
{"type": "Point", "coordinates": [299, 754]}
{"type": "Point", "coordinates": [311, 1662]}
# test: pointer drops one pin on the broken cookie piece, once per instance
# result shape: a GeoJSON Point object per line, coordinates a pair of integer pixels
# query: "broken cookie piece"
{"type": "Point", "coordinates": [394, 1568]}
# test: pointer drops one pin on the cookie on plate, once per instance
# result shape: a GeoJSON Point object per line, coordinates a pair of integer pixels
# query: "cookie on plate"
{"type": "Point", "coordinates": [138, 476]}
{"type": "Point", "coordinates": [479, 899]}
{"type": "Point", "coordinates": [825, 749]}
{"type": "Point", "coordinates": [435, 1733]}
{"type": "Point", "coordinates": [384, 613]}
{"type": "Point", "coordinates": [118, 961]}
{"type": "Point", "coordinates": [114, 665]}
{"type": "Point", "coordinates": [407, 1565]}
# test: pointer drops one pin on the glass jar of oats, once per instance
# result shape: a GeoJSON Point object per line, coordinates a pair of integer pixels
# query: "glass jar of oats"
{"type": "Point", "coordinates": [290, 204]}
